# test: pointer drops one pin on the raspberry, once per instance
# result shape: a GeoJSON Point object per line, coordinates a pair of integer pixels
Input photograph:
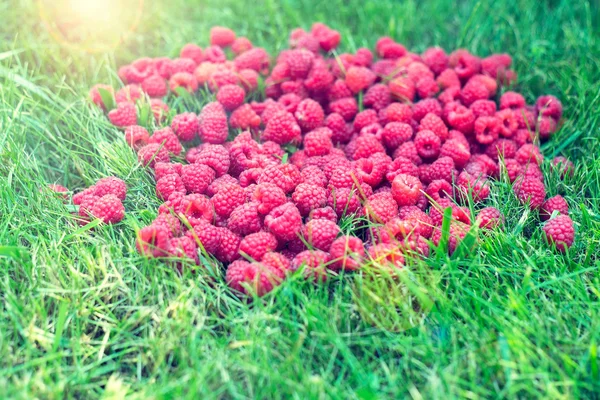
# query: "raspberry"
{"type": "Point", "coordinates": [282, 128]}
{"type": "Point", "coordinates": [343, 177]}
{"type": "Point", "coordinates": [228, 245]}
{"type": "Point", "coordinates": [309, 115]}
{"type": "Point", "coordinates": [457, 233]}
{"type": "Point", "coordinates": [508, 122]}
{"type": "Point", "coordinates": [546, 127]}
{"type": "Point", "coordinates": [159, 110]}
{"type": "Point", "coordinates": [300, 63]}
{"type": "Point", "coordinates": [468, 184]}
{"type": "Point", "coordinates": [380, 210]}
{"type": "Point", "coordinates": [529, 153]}
{"type": "Point", "coordinates": [290, 102]}
{"type": "Point", "coordinates": [256, 245]}
{"type": "Point", "coordinates": [489, 218]}
{"type": "Point", "coordinates": [169, 184]}
{"type": "Point", "coordinates": [166, 138]}
{"type": "Point", "coordinates": [328, 38]}
{"type": "Point", "coordinates": [347, 253]}
{"type": "Point", "coordinates": [323, 213]}
{"type": "Point", "coordinates": [462, 119]}
{"type": "Point", "coordinates": [231, 96]}
{"type": "Point", "coordinates": [313, 175]}
{"type": "Point", "coordinates": [277, 261]}
{"type": "Point", "coordinates": [549, 106]}
{"type": "Point", "coordinates": [319, 79]}
{"type": "Point", "coordinates": [193, 52]}
{"type": "Point", "coordinates": [182, 65]}
{"type": "Point", "coordinates": [457, 151]}
{"type": "Point", "coordinates": [123, 116]}
{"type": "Point", "coordinates": [151, 154]}
{"type": "Point", "coordinates": [196, 207]}
{"type": "Point", "coordinates": [377, 97]}
{"type": "Point", "coordinates": [512, 100]}
{"type": "Point", "coordinates": [385, 255]}
{"type": "Point", "coordinates": [215, 54]}
{"type": "Point", "coordinates": [495, 64]}
{"type": "Point", "coordinates": [406, 189]}
{"type": "Point", "coordinates": [245, 219]}
{"type": "Point", "coordinates": [152, 241]}
{"type": "Point", "coordinates": [474, 91]}
{"type": "Point", "coordinates": [314, 262]}
{"type": "Point", "coordinates": [109, 209]}
{"type": "Point", "coordinates": [95, 96]}
{"type": "Point", "coordinates": [183, 80]}
{"type": "Point", "coordinates": [221, 36]}
{"type": "Point", "coordinates": [483, 108]}
{"type": "Point", "coordinates": [136, 136]}
{"type": "Point", "coordinates": [129, 94]}
{"type": "Point", "coordinates": [403, 89]}
{"type": "Point", "coordinates": [424, 107]}
{"type": "Point", "coordinates": [308, 197]}
{"type": "Point", "coordinates": [228, 198]}
{"type": "Point", "coordinates": [215, 156]}
{"type": "Point", "coordinates": [556, 203]}
{"type": "Point", "coordinates": [252, 278]}
{"type": "Point", "coordinates": [183, 247]}
{"type": "Point", "coordinates": [448, 79]}
{"type": "Point", "coordinates": [501, 148]}
{"type": "Point", "coordinates": [320, 233]}
{"type": "Point", "coordinates": [197, 177]}
{"type": "Point", "coordinates": [409, 151]}
{"type": "Point", "coordinates": [256, 59]}
{"type": "Point", "coordinates": [427, 87]}
{"type": "Point", "coordinates": [163, 67]}
{"type": "Point", "coordinates": [213, 124]}
{"type": "Point", "coordinates": [359, 78]}
{"type": "Point", "coordinates": [240, 45]}
{"type": "Point", "coordinates": [428, 144]}
{"type": "Point", "coordinates": [464, 63]}
{"type": "Point", "coordinates": [244, 117]}
{"type": "Point", "coordinates": [439, 189]}
{"type": "Point", "coordinates": [318, 142]}
{"type": "Point", "coordinates": [372, 170]}
{"type": "Point", "coordinates": [435, 124]}
{"type": "Point", "coordinates": [442, 168]}
{"type": "Point", "coordinates": [487, 129]}
{"type": "Point", "coordinates": [250, 176]}
{"type": "Point", "coordinates": [421, 223]}
{"type": "Point", "coordinates": [365, 146]}
{"type": "Point", "coordinates": [286, 176]}
{"type": "Point", "coordinates": [560, 232]}
{"type": "Point", "coordinates": [284, 222]}
{"type": "Point", "coordinates": [436, 59]}
{"type": "Point", "coordinates": [186, 126]}
{"type": "Point", "coordinates": [401, 165]}
{"type": "Point", "coordinates": [111, 185]}
{"type": "Point", "coordinates": [396, 133]}
{"type": "Point", "coordinates": [248, 79]}
{"type": "Point", "coordinates": [170, 222]}
{"type": "Point", "coordinates": [530, 191]}
{"type": "Point", "coordinates": [155, 86]}
{"type": "Point", "coordinates": [346, 107]}
{"type": "Point", "coordinates": [220, 183]}
{"type": "Point", "coordinates": [564, 166]}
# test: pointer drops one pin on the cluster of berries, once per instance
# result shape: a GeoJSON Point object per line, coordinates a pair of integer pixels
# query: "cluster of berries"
{"type": "Point", "coordinates": [103, 200]}
{"type": "Point", "coordinates": [391, 138]}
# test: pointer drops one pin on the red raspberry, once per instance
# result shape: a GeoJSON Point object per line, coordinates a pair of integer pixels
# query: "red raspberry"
{"type": "Point", "coordinates": [457, 151]}
{"type": "Point", "coordinates": [256, 245]}
{"type": "Point", "coordinates": [483, 108]}
{"type": "Point", "coordinates": [462, 119]}
{"type": "Point", "coordinates": [129, 94]}
{"type": "Point", "coordinates": [474, 91]}
{"type": "Point", "coordinates": [183, 247]}
{"type": "Point", "coordinates": [159, 110]}
{"type": "Point", "coordinates": [309, 115]}
{"type": "Point", "coordinates": [319, 79]}
{"type": "Point", "coordinates": [182, 65]}
{"type": "Point", "coordinates": [377, 97]}
{"type": "Point", "coordinates": [403, 89]}
{"type": "Point", "coordinates": [300, 63]}
{"type": "Point", "coordinates": [215, 156]}
{"type": "Point", "coordinates": [197, 177]}
{"type": "Point", "coordinates": [501, 148]}
{"type": "Point", "coordinates": [529, 153]}
{"type": "Point", "coordinates": [428, 144]}
{"type": "Point", "coordinates": [487, 129]}
{"type": "Point", "coordinates": [219, 183]}
{"type": "Point", "coordinates": [123, 116]}
{"type": "Point", "coordinates": [109, 209]}
{"type": "Point", "coordinates": [314, 262]}
{"type": "Point", "coordinates": [408, 150]}
{"type": "Point", "coordinates": [215, 54]}
{"type": "Point", "coordinates": [427, 87]}
{"type": "Point", "coordinates": [563, 165]}
{"type": "Point", "coordinates": [401, 165]}
{"type": "Point", "coordinates": [309, 197]}
{"type": "Point", "coordinates": [328, 38]}
{"type": "Point", "coordinates": [359, 78]}
{"type": "Point", "coordinates": [152, 153]}
{"type": "Point", "coordinates": [240, 45]}
{"type": "Point", "coordinates": [252, 278]}
{"type": "Point", "coordinates": [424, 107]}
{"type": "Point", "coordinates": [495, 64]}
{"type": "Point", "coordinates": [323, 213]}
{"type": "Point", "coordinates": [439, 189]}
{"type": "Point", "coordinates": [432, 122]}
{"type": "Point", "coordinates": [225, 243]}
{"type": "Point", "coordinates": [508, 122]}
{"type": "Point", "coordinates": [442, 168]}
{"type": "Point", "coordinates": [512, 100]}
{"type": "Point", "coordinates": [290, 102]}
{"type": "Point", "coordinates": [183, 80]}
{"type": "Point", "coordinates": [286, 176]}
{"type": "Point", "coordinates": [530, 191]}
{"type": "Point", "coordinates": [406, 189]}
{"type": "Point", "coordinates": [448, 79]}
{"type": "Point", "coordinates": [166, 138]}
{"type": "Point", "coordinates": [268, 196]}
{"type": "Point", "coordinates": [284, 222]}
{"type": "Point", "coordinates": [339, 90]}
{"type": "Point", "coordinates": [364, 119]}
{"type": "Point", "coordinates": [250, 176]}
{"type": "Point", "coordinates": [556, 203]}
{"type": "Point", "coordinates": [111, 185]}
{"type": "Point", "coordinates": [386, 255]}
{"type": "Point", "coordinates": [457, 233]}
{"type": "Point", "coordinates": [365, 146]}
{"type": "Point", "coordinates": [344, 201]}
{"type": "Point", "coordinates": [421, 223]}
{"type": "Point", "coordinates": [256, 59]}
{"type": "Point", "coordinates": [196, 207]}
{"type": "Point", "coordinates": [343, 177]}
{"type": "Point", "coordinates": [380, 210]}
{"type": "Point", "coordinates": [489, 218]}
{"type": "Point", "coordinates": [436, 59]}
{"type": "Point", "coordinates": [277, 261]}
{"type": "Point", "coordinates": [221, 36]}
{"type": "Point", "coordinates": [346, 107]}
{"type": "Point", "coordinates": [318, 142]}
{"type": "Point", "coordinates": [244, 117]}
{"type": "Point", "coordinates": [193, 52]}
{"type": "Point", "coordinates": [347, 253]}
{"type": "Point", "coordinates": [245, 219]}
{"type": "Point", "coordinates": [228, 198]}
{"type": "Point", "coordinates": [396, 133]}
{"type": "Point", "coordinates": [372, 170]}
{"type": "Point", "coordinates": [313, 175]}
{"type": "Point", "coordinates": [169, 222]}
{"type": "Point", "coordinates": [186, 126]}
{"type": "Point", "coordinates": [248, 79]}
{"type": "Point", "coordinates": [169, 184]}
{"type": "Point", "coordinates": [560, 232]}
{"type": "Point", "coordinates": [546, 127]}
{"type": "Point", "coordinates": [152, 241]}
{"type": "Point", "coordinates": [155, 86]}
{"type": "Point", "coordinates": [549, 106]}
{"type": "Point", "coordinates": [136, 136]}
{"type": "Point", "coordinates": [464, 63]}
{"type": "Point", "coordinates": [95, 96]}
{"type": "Point", "coordinates": [513, 169]}
{"type": "Point", "coordinates": [213, 124]}
{"type": "Point", "coordinates": [320, 233]}
{"type": "Point", "coordinates": [282, 128]}
{"type": "Point", "coordinates": [476, 187]}
{"type": "Point", "coordinates": [231, 96]}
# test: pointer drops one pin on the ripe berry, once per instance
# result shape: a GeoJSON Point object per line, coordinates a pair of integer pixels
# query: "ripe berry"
{"type": "Point", "coordinates": [228, 198]}
{"type": "Point", "coordinates": [556, 203]}
{"type": "Point", "coordinates": [530, 191]}
{"type": "Point", "coordinates": [109, 209]}
{"type": "Point", "coordinates": [284, 222]}
{"type": "Point", "coordinates": [152, 241]}
{"type": "Point", "coordinates": [406, 189]}
{"type": "Point", "coordinates": [231, 96]}
{"type": "Point", "coordinates": [314, 262]}
{"type": "Point", "coordinates": [124, 115]}
{"type": "Point", "coordinates": [221, 36]}
{"type": "Point", "coordinates": [256, 245]}
{"type": "Point", "coordinates": [320, 233]}
{"type": "Point", "coordinates": [152, 153]}
{"type": "Point", "coordinates": [186, 126]}
{"type": "Point", "coordinates": [213, 124]}
{"type": "Point", "coordinates": [560, 232]}
{"type": "Point", "coordinates": [309, 115]}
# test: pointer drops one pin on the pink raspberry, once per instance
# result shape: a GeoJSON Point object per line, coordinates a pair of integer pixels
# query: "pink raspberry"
{"type": "Point", "coordinates": [252, 278]}
{"type": "Point", "coordinates": [111, 185]}
{"type": "Point", "coordinates": [464, 63]}
{"type": "Point", "coordinates": [462, 119]}
{"type": "Point", "coordinates": [530, 191]}
{"type": "Point", "coordinates": [240, 45]}
{"type": "Point", "coordinates": [159, 110]}
{"type": "Point", "coordinates": [529, 153]}
{"type": "Point", "coordinates": [169, 184]}
{"type": "Point", "coordinates": [442, 168]}
{"type": "Point", "coordinates": [483, 108]}
{"type": "Point", "coordinates": [196, 207]}
{"type": "Point", "coordinates": [256, 59]}
{"type": "Point", "coordinates": [282, 128]}
{"type": "Point", "coordinates": [512, 100]}
{"type": "Point", "coordinates": [373, 170]}
{"type": "Point", "coordinates": [436, 59]}
{"type": "Point", "coordinates": [170, 222]}
{"type": "Point", "coordinates": [228, 245]}
{"type": "Point", "coordinates": [248, 80]}
{"type": "Point", "coordinates": [95, 96]}
{"type": "Point", "coordinates": [151, 154]}
{"type": "Point", "coordinates": [166, 138]}
{"type": "Point", "coordinates": [386, 255]}
{"type": "Point", "coordinates": [313, 175]}
{"type": "Point", "coordinates": [290, 102]}
{"type": "Point", "coordinates": [123, 116]}
{"type": "Point", "coordinates": [318, 142]}
{"type": "Point", "coordinates": [346, 107]}
{"type": "Point", "coordinates": [508, 122]}
{"type": "Point", "coordinates": [244, 117]}
{"type": "Point", "coordinates": [448, 79]}
{"type": "Point", "coordinates": [184, 80]}
{"type": "Point", "coordinates": [221, 36]}
{"type": "Point", "coordinates": [401, 165]}
{"type": "Point", "coordinates": [474, 91]}
{"type": "Point", "coordinates": [197, 177]}
{"type": "Point", "coordinates": [469, 185]}
{"type": "Point", "coordinates": [256, 245]}
{"type": "Point", "coordinates": [556, 203]}
{"type": "Point", "coordinates": [560, 232]}
{"type": "Point", "coordinates": [214, 156]}
{"type": "Point", "coordinates": [457, 233]}
{"type": "Point", "coordinates": [549, 106]}
{"type": "Point", "coordinates": [193, 52]}
{"type": "Point", "coordinates": [421, 223]}
{"type": "Point", "coordinates": [286, 176]}
{"type": "Point", "coordinates": [426, 106]}
{"type": "Point", "coordinates": [489, 218]}
{"type": "Point", "coordinates": [300, 63]}
{"type": "Point", "coordinates": [339, 90]}
{"type": "Point", "coordinates": [347, 253]}
{"type": "Point", "coordinates": [220, 183]}
{"type": "Point", "coordinates": [308, 197]}
{"type": "Point", "coordinates": [460, 214]}
{"type": "Point", "coordinates": [439, 189]}
{"type": "Point", "coordinates": [314, 262]}
{"type": "Point", "coordinates": [359, 78]}
{"type": "Point", "coordinates": [402, 89]}
{"type": "Point", "coordinates": [365, 146]}
{"type": "Point", "coordinates": [323, 213]}
{"type": "Point", "coordinates": [328, 38]}
{"type": "Point", "coordinates": [228, 198]}
{"type": "Point", "coordinates": [396, 133]}
{"type": "Point", "coordinates": [457, 151]}
{"type": "Point", "coordinates": [564, 166]}
{"type": "Point", "coordinates": [213, 124]}
{"type": "Point", "coordinates": [183, 247]}
{"type": "Point", "coordinates": [309, 115]}
{"type": "Point", "coordinates": [109, 209]}
{"type": "Point", "coordinates": [129, 94]}
{"type": "Point", "coordinates": [428, 144]}
{"type": "Point", "coordinates": [186, 126]}
{"type": "Point", "coordinates": [320, 233]}
{"type": "Point", "coordinates": [152, 241]}
{"type": "Point", "coordinates": [136, 136]}
{"type": "Point", "coordinates": [344, 201]}
{"type": "Point", "coordinates": [221, 77]}
{"type": "Point", "coordinates": [155, 86]}
{"type": "Point", "coordinates": [343, 177]}
{"type": "Point", "coordinates": [215, 54]}
{"type": "Point", "coordinates": [182, 65]}
{"type": "Point", "coordinates": [245, 219]}
{"type": "Point", "coordinates": [406, 189]}
{"type": "Point", "coordinates": [284, 222]}
{"type": "Point", "coordinates": [277, 261]}
{"type": "Point", "coordinates": [380, 210]}
{"type": "Point", "coordinates": [377, 97]}
{"type": "Point", "coordinates": [427, 87]}
{"type": "Point", "coordinates": [435, 124]}
{"type": "Point", "coordinates": [231, 96]}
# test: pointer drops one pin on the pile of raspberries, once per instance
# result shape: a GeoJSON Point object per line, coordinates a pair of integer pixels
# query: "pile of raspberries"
{"type": "Point", "coordinates": [385, 141]}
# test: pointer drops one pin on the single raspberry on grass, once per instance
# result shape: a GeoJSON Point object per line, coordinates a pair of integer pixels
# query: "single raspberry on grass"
{"type": "Point", "coordinates": [529, 153]}
{"type": "Point", "coordinates": [129, 94]}
{"type": "Point", "coordinates": [549, 106]}
{"type": "Point", "coordinates": [109, 209]}
{"type": "Point", "coordinates": [530, 191]}
{"type": "Point", "coordinates": [560, 232]}
{"type": "Point", "coordinates": [221, 36]}
{"type": "Point", "coordinates": [556, 203]}
{"type": "Point", "coordinates": [111, 185]}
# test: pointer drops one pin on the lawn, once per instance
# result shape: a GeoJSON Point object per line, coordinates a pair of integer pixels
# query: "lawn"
{"type": "Point", "coordinates": [82, 315]}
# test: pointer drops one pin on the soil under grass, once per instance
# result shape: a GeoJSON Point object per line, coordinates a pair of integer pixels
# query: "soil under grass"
{"type": "Point", "coordinates": [82, 315]}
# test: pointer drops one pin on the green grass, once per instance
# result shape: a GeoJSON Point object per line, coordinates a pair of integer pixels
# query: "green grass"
{"type": "Point", "coordinates": [83, 316]}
